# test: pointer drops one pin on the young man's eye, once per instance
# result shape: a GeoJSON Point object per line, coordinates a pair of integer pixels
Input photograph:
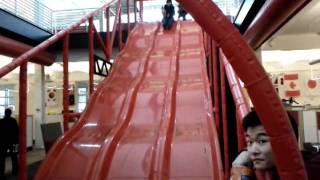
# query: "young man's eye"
{"type": "Point", "coordinates": [262, 141]}
{"type": "Point", "coordinates": [249, 143]}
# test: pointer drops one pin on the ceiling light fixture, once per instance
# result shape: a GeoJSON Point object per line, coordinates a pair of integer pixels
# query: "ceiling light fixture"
{"type": "Point", "coordinates": [314, 62]}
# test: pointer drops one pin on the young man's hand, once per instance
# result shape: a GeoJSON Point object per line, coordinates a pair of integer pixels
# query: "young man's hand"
{"type": "Point", "coordinates": [243, 159]}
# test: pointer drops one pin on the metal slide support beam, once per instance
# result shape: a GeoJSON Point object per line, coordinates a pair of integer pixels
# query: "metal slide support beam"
{"type": "Point", "coordinates": [128, 13]}
{"type": "Point", "coordinates": [224, 120]}
{"type": "Point", "coordinates": [100, 42]}
{"type": "Point", "coordinates": [120, 30]}
{"type": "Point", "coordinates": [141, 10]}
{"type": "Point", "coordinates": [23, 121]}
{"type": "Point", "coordinates": [91, 58]}
{"type": "Point", "coordinates": [216, 89]}
{"type": "Point", "coordinates": [274, 118]}
{"type": "Point", "coordinates": [114, 28]}
{"type": "Point", "coordinates": [108, 32]}
{"type": "Point", "coordinates": [209, 64]}
{"type": "Point", "coordinates": [66, 83]}
{"type": "Point", "coordinates": [135, 10]}
{"type": "Point", "coordinates": [240, 102]}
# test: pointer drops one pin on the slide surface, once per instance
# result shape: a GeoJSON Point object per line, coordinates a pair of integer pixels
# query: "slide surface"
{"type": "Point", "coordinates": [150, 119]}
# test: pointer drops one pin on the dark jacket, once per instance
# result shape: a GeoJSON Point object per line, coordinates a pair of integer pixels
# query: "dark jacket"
{"type": "Point", "coordinates": [169, 11]}
{"type": "Point", "coordinates": [9, 131]}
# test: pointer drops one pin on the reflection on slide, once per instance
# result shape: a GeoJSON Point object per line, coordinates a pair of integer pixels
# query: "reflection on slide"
{"type": "Point", "coordinates": [150, 119]}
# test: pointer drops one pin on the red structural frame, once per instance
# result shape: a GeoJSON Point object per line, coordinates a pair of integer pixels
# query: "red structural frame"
{"type": "Point", "coordinates": [238, 53]}
{"type": "Point", "coordinates": [23, 120]}
{"type": "Point", "coordinates": [260, 89]}
{"type": "Point", "coordinates": [13, 48]}
{"type": "Point", "coordinates": [38, 55]}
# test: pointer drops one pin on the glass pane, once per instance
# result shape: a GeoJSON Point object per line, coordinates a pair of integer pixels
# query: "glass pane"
{"type": "Point", "coordinates": [81, 107]}
{"type": "Point", "coordinates": [82, 99]}
{"type": "Point", "coordinates": [2, 93]}
{"type": "Point", "coordinates": [11, 101]}
{"type": "Point", "coordinates": [2, 101]}
{"type": "Point", "coordinates": [82, 91]}
{"type": "Point", "coordinates": [10, 93]}
{"type": "Point", "coordinates": [1, 111]}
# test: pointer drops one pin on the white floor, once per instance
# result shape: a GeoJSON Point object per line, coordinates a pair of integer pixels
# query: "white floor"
{"type": "Point", "coordinates": [32, 157]}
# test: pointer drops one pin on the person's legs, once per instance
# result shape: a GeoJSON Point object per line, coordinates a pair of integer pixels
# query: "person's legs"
{"type": "Point", "coordinates": [164, 23]}
{"type": "Point", "coordinates": [170, 22]}
{"type": "Point", "coordinates": [2, 162]}
{"type": "Point", "coordinates": [14, 160]}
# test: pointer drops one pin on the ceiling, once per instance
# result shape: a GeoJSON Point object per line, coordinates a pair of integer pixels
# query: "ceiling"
{"type": "Point", "coordinates": [301, 35]}
{"type": "Point", "coordinates": [306, 21]}
{"type": "Point", "coordinates": [301, 32]}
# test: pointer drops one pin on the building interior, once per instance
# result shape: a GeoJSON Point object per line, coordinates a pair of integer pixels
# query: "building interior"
{"type": "Point", "coordinates": [87, 81]}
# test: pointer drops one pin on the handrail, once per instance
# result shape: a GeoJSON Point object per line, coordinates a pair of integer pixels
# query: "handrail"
{"type": "Point", "coordinates": [31, 53]}
{"type": "Point", "coordinates": [242, 107]}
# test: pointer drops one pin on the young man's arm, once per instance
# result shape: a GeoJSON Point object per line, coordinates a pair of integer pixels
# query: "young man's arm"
{"type": "Point", "coordinates": [242, 167]}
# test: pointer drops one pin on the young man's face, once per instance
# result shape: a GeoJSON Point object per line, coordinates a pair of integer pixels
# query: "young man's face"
{"type": "Point", "coordinates": [259, 147]}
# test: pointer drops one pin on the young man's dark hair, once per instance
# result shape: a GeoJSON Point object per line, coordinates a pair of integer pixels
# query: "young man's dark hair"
{"type": "Point", "coordinates": [252, 120]}
{"type": "Point", "coordinates": [7, 112]}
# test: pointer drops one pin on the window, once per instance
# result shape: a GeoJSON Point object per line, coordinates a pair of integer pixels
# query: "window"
{"type": "Point", "coordinates": [82, 90]}
{"type": "Point", "coordinates": [6, 98]}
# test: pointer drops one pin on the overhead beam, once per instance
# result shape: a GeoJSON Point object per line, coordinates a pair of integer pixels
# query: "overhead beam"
{"type": "Point", "coordinates": [12, 48]}
{"type": "Point", "coordinates": [272, 16]}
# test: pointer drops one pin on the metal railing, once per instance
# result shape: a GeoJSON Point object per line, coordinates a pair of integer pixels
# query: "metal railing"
{"type": "Point", "coordinates": [40, 15]}
{"type": "Point", "coordinates": [54, 21]}
{"type": "Point", "coordinates": [64, 18]}
{"type": "Point", "coordinates": [31, 11]}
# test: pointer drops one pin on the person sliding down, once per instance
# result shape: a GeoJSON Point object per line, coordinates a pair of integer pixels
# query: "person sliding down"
{"type": "Point", "coordinates": [168, 13]}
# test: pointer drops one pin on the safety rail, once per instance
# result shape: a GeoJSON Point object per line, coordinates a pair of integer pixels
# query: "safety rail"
{"type": "Point", "coordinates": [54, 21]}
{"type": "Point", "coordinates": [219, 68]}
{"type": "Point", "coordinates": [63, 35]}
{"type": "Point", "coordinates": [30, 10]}
{"type": "Point", "coordinates": [262, 94]}
{"type": "Point", "coordinates": [63, 18]}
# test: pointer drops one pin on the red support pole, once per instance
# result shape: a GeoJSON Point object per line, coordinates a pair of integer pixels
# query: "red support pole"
{"type": "Point", "coordinates": [141, 11]}
{"type": "Point", "coordinates": [135, 10]}
{"type": "Point", "coordinates": [108, 31]}
{"type": "Point", "coordinates": [120, 30]}
{"type": "Point", "coordinates": [216, 87]}
{"type": "Point", "coordinates": [110, 46]}
{"type": "Point", "coordinates": [210, 58]}
{"type": "Point", "coordinates": [100, 42]}
{"type": "Point", "coordinates": [205, 42]}
{"type": "Point", "coordinates": [224, 121]}
{"type": "Point", "coordinates": [91, 60]}
{"type": "Point", "coordinates": [22, 121]}
{"type": "Point", "coordinates": [242, 106]}
{"type": "Point", "coordinates": [65, 83]}
{"type": "Point", "coordinates": [128, 12]}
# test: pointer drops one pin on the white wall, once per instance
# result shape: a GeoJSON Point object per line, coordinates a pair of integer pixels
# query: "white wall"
{"type": "Point", "coordinates": [311, 132]}
{"type": "Point", "coordinates": [305, 72]}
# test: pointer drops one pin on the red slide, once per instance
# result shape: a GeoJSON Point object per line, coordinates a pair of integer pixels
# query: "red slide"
{"type": "Point", "coordinates": [150, 119]}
